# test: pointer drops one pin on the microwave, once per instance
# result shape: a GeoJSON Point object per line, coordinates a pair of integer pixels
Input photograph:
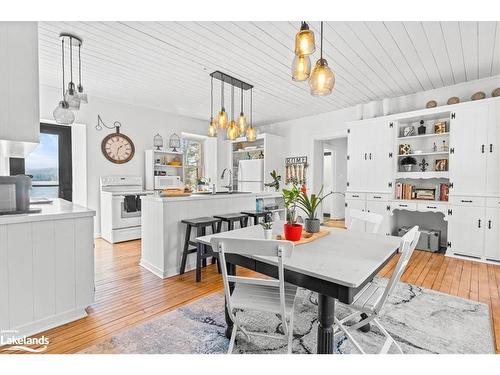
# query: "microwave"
{"type": "Point", "coordinates": [165, 182]}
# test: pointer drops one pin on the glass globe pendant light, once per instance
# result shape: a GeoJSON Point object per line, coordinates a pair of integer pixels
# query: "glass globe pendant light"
{"type": "Point", "coordinates": [212, 127]}
{"type": "Point", "coordinates": [222, 119]}
{"type": "Point", "coordinates": [251, 132]}
{"type": "Point", "coordinates": [71, 95]}
{"type": "Point", "coordinates": [242, 121]}
{"type": "Point", "coordinates": [81, 95]}
{"type": "Point", "coordinates": [322, 78]}
{"type": "Point", "coordinates": [62, 114]}
{"type": "Point", "coordinates": [304, 41]}
{"type": "Point", "coordinates": [301, 68]}
{"type": "Point", "coordinates": [232, 130]}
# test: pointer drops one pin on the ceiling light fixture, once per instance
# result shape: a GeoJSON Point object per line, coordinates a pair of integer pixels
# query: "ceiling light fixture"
{"type": "Point", "coordinates": [301, 68]}
{"type": "Point", "coordinates": [304, 41]}
{"type": "Point", "coordinates": [212, 127]}
{"type": "Point", "coordinates": [62, 114]}
{"type": "Point", "coordinates": [242, 121]}
{"type": "Point", "coordinates": [232, 130]}
{"type": "Point", "coordinates": [222, 116]}
{"type": "Point", "coordinates": [251, 131]}
{"type": "Point", "coordinates": [322, 78]}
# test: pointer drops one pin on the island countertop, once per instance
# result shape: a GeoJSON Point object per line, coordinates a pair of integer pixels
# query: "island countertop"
{"type": "Point", "coordinates": [58, 209]}
{"type": "Point", "coordinates": [209, 196]}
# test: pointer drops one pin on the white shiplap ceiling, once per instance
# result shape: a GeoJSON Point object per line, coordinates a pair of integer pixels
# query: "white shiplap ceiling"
{"type": "Point", "coordinates": [165, 65]}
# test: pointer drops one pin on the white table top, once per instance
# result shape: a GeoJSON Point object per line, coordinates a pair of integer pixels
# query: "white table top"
{"type": "Point", "coordinates": [342, 257]}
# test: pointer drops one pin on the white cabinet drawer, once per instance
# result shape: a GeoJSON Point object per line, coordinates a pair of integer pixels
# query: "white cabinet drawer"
{"type": "Point", "coordinates": [493, 202]}
{"type": "Point", "coordinates": [384, 197]}
{"type": "Point", "coordinates": [404, 206]}
{"type": "Point", "coordinates": [432, 207]}
{"type": "Point", "coordinates": [467, 201]}
{"type": "Point", "coordinates": [355, 196]}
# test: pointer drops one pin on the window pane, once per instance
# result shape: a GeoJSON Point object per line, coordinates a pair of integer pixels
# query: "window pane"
{"type": "Point", "coordinates": [43, 165]}
{"type": "Point", "coordinates": [192, 174]}
{"type": "Point", "coordinates": [192, 152]}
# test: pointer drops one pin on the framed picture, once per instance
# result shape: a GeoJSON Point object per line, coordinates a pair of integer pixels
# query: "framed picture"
{"type": "Point", "coordinates": [404, 149]}
{"type": "Point", "coordinates": [408, 131]}
{"type": "Point", "coordinates": [441, 165]}
{"type": "Point", "coordinates": [425, 194]}
{"type": "Point", "coordinates": [440, 127]}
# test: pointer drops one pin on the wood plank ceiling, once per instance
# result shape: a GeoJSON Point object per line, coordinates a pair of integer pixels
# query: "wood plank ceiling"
{"type": "Point", "coordinates": [165, 65]}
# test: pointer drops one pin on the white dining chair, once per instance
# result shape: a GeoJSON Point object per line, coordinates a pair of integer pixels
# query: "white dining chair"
{"type": "Point", "coordinates": [370, 301]}
{"type": "Point", "coordinates": [249, 293]}
{"type": "Point", "coordinates": [359, 220]}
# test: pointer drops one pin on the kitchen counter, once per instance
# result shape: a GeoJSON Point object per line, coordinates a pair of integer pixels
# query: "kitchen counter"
{"type": "Point", "coordinates": [58, 209]}
{"type": "Point", "coordinates": [206, 196]}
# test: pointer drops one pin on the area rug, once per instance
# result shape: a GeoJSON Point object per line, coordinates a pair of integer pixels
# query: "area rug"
{"type": "Point", "coordinates": [420, 320]}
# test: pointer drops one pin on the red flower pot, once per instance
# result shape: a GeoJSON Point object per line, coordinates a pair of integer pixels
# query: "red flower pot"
{"type": "Point", "coordinates": [293, 232]}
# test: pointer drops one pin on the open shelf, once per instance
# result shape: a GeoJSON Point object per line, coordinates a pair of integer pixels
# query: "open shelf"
{"type": "Point", "coordinates": [168, 166]}
{"type": "Point", "coordinates": [426, 154]}
{"type": "Point", "coordinates": [168, 152]}
{"type": "Point", "coordinates": [252, 150]}
{"type": "Point", "coordinates": [424, 136]}
{"type": "Point", "coordinates": [422, 175]}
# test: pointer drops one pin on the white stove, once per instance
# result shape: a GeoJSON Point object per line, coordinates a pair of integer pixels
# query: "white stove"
{"type": "Point", "coordinates": [121, 207]}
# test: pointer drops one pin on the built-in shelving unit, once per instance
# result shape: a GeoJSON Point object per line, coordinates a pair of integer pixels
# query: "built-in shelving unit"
{"type": "Point", "coordinates": [422, 175]}
{"type": "Point", "coordinates": [159, 163]}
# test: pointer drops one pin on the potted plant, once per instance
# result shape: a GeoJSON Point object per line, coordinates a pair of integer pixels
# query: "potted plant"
{"type": "Point", "coordinates": [292, 230]}
{"type": "Point", "coordinates": [276, 180]}
{"type": "Point", "coordinates": [408, 162]}
{"type": "Point", "coordinates": [309, 204]}
{"type": "Point", "coordinates": [268, 229]}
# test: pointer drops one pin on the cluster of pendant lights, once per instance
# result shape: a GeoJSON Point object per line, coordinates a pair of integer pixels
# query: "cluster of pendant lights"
{"type": "Point", "coordinates": [233, 129]}
{"type": "Point", "coordinates": [321, 78]}
{"type": "Point", "coordinates": [72, 96]}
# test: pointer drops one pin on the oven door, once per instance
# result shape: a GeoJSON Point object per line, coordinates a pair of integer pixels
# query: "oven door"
{"type": "Point", "coordinates": [122, 218]}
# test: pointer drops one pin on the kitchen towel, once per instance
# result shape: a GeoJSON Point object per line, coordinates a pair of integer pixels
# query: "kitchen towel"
{"type": "Point", "coordinates": [129, 203]}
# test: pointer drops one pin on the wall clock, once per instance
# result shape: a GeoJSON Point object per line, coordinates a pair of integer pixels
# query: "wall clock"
{"type": "Point", "coordinates": [117, 147]}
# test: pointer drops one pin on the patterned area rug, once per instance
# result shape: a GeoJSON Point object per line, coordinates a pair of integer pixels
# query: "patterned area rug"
{"type": "Point", "coordinates": [420, 320]}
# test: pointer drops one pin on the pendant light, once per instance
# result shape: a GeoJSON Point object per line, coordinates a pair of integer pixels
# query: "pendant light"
{"type": "Point", "coordinates": [242, 121]}
{"type": "Point", "coordinates": [71, 95]}
{"type": "Point", "coordinates": [322, 78]}
{"type": "Point", "coordinates": [251, 131]}
{"type": "Point", "coordinates": [304, 41]}
{"type": "Point", "coordinates": [81, 95]}
{"type": "Point", "coordinates": [232, 130]}
{"type": "Point", "coordinates": [212, 127]}
{"type": "Point", "coordinates": [62, 114]}
{"type": "Point", "coordinates": [301, 68]}
{"type": "Point", "coordinates": [222, 116]}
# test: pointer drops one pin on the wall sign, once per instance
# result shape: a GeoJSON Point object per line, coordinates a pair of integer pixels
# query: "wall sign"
{"type": "Point", "coordinates": [296, 170]}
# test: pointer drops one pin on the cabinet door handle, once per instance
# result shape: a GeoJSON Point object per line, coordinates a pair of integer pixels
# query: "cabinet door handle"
{"type": "Point", "coordinates": [355, 196]}
{"type": "Point", "coordinates": [489, 224]}
{"type": "Point", "coordinates": [491, 147]}
{"type": "Point", "coordinates": [482, 149]}
{"type": "Point", "coordinates": [434, 207]}
{"type": "Point", "coordinates": [403, 205]}
{"type": "Point", "coordinates": [365, 155]}
{"type": "Point", "coordinates": [466, 201]}
{"type": "Point", "coordinates": [376, 197]}
{"type": "Point", "coordinates": [479, 223]}
{"type": "Point", "coordinates": [370, 156]}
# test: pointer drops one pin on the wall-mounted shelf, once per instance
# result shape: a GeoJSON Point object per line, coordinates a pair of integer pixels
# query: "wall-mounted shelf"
{"type": "Point", "coordinates": [168, 166]}
{"type": "Point", "coordinates": [422, 175]}
{"type": "Point", "coordinates": [427, 153]}
{"type": "Point", "coordinates": [424, 136]}
{"type": "Point", "coordinates": [168, 152]}
{"type": "Point", "coordinates": [252, 150]}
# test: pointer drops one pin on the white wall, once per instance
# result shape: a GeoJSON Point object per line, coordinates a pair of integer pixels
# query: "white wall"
{"type": "Point", "coordinates": [139, 123]}
{"type": "Point", "coordinates": [302, 135]}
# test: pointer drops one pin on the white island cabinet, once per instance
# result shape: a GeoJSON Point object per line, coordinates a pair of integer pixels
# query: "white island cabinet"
{"type": "Point", "coordinates": [163, 233]}
{"type": "Point", "coordinates": [46, 267]}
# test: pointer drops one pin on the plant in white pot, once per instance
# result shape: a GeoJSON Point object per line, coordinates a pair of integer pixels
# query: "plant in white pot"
{"type": "Point", "coordinates": [309, 205]}
{"type": "Point", "coordinates": [268, 229]}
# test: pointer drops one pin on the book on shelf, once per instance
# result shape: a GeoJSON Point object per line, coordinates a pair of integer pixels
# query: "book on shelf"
{"type": "Point", "coordinates": [406, 191]}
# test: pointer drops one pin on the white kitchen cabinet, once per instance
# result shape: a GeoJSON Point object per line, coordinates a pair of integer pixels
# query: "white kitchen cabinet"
{"type": "Point", "coordinates": [492, 234]}
{"type": "Point", "coordinates": [356, 173]}
{"type": "Point", "coordinates": [493, 150]}
{"type": "Point", "coordinates": [19, 88]}
{"type": "Point", "coordinates": [353, 204]}
{"type": "Point", "coordinates": [380, 208]}
{"type": "Point", "coordinates": [466, 230]}
{"type": "Point", "coordinates": [468, 141]}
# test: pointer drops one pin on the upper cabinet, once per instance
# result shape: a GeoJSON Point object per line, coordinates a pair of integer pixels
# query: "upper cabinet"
{"type": "Point", "coordinates": [19, 88]}
{"type": "Point", "coordinates": [493, 150]}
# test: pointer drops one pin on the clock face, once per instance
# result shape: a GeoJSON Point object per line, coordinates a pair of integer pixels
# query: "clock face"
{"type": "Point", "coordinates": [118, 148]}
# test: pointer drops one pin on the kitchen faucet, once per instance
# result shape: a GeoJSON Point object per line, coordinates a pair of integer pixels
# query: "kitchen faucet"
{"type": "Point", "coordinates": [229, 186]}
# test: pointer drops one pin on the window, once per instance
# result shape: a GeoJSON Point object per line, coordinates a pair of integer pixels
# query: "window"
{"type": "Point", "coordinates": [193, 162]}
{"type": "Point", "coordinates": [50, 163]}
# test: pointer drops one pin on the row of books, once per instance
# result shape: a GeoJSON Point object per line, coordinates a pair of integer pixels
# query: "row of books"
{"type": "Point", "coordinates": [409, 191]}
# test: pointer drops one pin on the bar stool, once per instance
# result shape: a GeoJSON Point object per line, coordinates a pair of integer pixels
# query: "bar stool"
{"type": "Point", "coordinates": [256, 215]}
{"type": "Point", "coordinates": [202, 252]}
{"type": "Point", "coordinates": [230, 219]}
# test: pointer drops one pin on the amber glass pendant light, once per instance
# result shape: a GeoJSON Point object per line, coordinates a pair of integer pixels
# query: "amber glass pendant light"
{"type": "Point", "coordinates": [251, 131]}
{"type": "Point", "coordinates": [322, 78]}
{"type": "Point", "coordinates": [222, 119]}
{"type": "Point", "coordinates": [232, 130]}
{"type": "Point", "coordinates": [301, 68]}
{"type": "Point", "coordinates": [242, 121]}
{"type": "Point", "coordinates": [212, 127]}
{"type": "Point", "coordinates": [304, 41]}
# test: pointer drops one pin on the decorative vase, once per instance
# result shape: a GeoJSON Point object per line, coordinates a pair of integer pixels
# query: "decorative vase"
{"type": "Point", "coordinates": [293, 232]}
{"type": "Point", "coordinates": [407, 167]}
{"type": "Point", "coordinates": [268, 234]}
{"type": "Point", "coordinates": [311, 225]}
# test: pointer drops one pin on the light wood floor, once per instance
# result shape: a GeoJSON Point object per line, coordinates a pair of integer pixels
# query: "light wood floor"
{"type": "Point", "coordinates": [127, 295]}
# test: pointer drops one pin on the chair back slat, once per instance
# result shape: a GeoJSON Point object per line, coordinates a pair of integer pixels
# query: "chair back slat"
{"type": "Point", "coordinates": [360, 221]}
{"type": "Point", "coordinates": [408, 244]}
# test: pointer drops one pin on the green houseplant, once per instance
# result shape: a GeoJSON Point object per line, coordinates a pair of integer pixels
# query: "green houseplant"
{"type": "Point", "coordinates": [292, 230]}
{"type": "Point", "coordinates": [408, 162]}
{"type": "Point", "coordinates": [276, 180]}
{"type": "Point", "coordinates": [309, 205]}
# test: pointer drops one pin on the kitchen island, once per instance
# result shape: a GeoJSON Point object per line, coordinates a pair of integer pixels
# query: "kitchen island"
{"type": "Point", "coordinates": [162, 230]}
{"type": "Point", "coordinates": [46, 267]}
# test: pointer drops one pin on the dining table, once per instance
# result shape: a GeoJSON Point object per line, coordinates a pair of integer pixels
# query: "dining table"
{"type": "Point", "coordinates": [336, 266]}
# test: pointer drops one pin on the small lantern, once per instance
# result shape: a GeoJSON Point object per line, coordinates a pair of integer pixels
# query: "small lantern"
{"type": "Point", "coordinates": [174, 142]}
{"type": "Point", "coordinates": [158, 141]}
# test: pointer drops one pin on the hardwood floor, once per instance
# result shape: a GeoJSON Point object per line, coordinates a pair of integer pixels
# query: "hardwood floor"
{"type": "Point", "coordinates": [127, 295]}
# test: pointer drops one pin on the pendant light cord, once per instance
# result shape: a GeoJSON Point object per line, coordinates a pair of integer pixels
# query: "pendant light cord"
{"type": "Point", "coordinates": [321, 42]}
{"type": "Point", "coordinates": [71, 58]}
{"type": "Point", "coordinates": [232, 101]}
{"type": "Point", "coordinates": [79, 65]}
{"type": "Point", "coordinates": [251, 107]}
{"type": "Point", "coordinates": [222, 94]}
{"type": "Point", "coordinates": [62, 54]}
{"type": "Point", "coordinates": [241, 101]}
{"type": "Point", "coordinates": [211, 98]}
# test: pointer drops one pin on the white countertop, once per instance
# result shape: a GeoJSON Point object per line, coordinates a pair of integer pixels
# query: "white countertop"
{"type": "Point", "coordinates": [208, 196]}
{"type": "Point", "coordinates": [58, 209]}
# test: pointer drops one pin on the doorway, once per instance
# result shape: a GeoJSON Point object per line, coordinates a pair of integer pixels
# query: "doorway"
{"type": "Point", "coordinates": [334, 179]}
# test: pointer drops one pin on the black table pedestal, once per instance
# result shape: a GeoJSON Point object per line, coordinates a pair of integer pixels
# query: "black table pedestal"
{"type": "Point", "coordinates": [326, 315]}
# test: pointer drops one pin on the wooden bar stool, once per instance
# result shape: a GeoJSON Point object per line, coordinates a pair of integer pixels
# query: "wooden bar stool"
{"type": "Point", "coordinates": [202, 251]}
{"type": "Point", "coordinates": [230, 219]}
{"type": "Point", "coordinates": [256, 215]}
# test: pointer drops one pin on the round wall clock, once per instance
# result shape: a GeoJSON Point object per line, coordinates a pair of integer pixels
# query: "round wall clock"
{"type": "Point", "coordinates": [118, 148]}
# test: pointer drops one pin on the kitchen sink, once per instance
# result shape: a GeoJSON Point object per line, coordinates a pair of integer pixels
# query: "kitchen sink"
{"type": "Point", "coordinates": [222, 192]}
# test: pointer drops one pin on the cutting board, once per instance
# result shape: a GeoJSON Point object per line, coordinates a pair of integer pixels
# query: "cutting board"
{"type": "Point", "coordinates": [175, 192]}
{"type": "Point", "coordinates": [313, 237]}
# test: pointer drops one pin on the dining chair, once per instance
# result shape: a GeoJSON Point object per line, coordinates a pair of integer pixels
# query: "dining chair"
{"type": "Point", "coordinates": [249, 293]}
{"type": "Point", "coordinates": [370, 301]}
{"type": "Point", "coordinates": [359, 220]}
